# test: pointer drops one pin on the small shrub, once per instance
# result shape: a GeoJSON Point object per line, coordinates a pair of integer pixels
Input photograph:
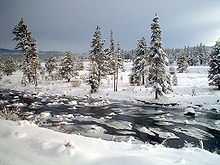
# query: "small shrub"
{"type": "Point", "coordinates": [9, 114]}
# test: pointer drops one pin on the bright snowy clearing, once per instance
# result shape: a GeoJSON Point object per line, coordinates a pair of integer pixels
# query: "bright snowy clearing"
{"type": "Point", "coordinates": [192, 88]}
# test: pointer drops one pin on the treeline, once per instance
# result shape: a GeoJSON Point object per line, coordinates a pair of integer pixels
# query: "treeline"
{"type": "Point", "coordinates": [195, 56]}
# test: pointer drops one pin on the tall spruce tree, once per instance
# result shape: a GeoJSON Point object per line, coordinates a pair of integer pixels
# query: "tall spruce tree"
{"type": "Point", "coordinates": [97, 60]}
{"type": "Point", "coordinates": [34, 63]}
{"type": "Point", "coordinates": [182, 62]}
{"type": "Point", "coordinates": [139, 63]}
{"type": "Point", "coordinates": [51, 63]}
{"type": "Point", "coordinates": [158, 78]}
{"type": "Point", "coordinates": [113, 61]}
{"type": "Point", "coordinates": [68, 67]}
{"type": "Point", "coordinates": [120, 57]}
{"type": "Point", "coordinates": [201, 54]}
{"type": "Point", "coordinates": [28, 46]}
{"type": "Point", "coordinates": [214, 71]}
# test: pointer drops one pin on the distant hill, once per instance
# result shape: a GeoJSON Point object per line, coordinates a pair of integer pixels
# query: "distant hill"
{"type": "Point", "coordinates": [41, 54]}
{"type": "Point", "coordinates": [18, 54]}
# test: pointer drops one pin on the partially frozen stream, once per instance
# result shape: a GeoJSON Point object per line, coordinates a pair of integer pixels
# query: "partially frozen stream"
{"type": "Point", "coordinates": [118, 121]}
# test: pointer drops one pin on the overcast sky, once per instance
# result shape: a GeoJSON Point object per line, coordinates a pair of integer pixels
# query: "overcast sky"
{"type": "Point", "coordinates": [69, 24]}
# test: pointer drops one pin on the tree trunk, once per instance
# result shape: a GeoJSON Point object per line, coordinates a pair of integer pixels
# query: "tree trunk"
{"type": "Point", "coordinates": [114, 82]}
{"type": "Point", "coordinates": [142, 78]}
{"type": "Point", "coordinates": [29, 78]}
{"type": "Point", "coordinates": [156, 94]}
{"type": "Point", "coordinates": [117, 81]}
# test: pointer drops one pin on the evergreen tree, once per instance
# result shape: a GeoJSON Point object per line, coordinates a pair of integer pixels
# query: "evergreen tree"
{"type": "Point", "coordinates": [139, 62]}
{"type": "Point", "coordinates": [201, 54]}
{"type": "Point", "coordinates": [119, 63]}
{"type": "Point", "coordinates": [120, 58]}
{"type": "Point", "coordinates": [182, 63]}
{"type": "Point", "coordinates": [113, 61]}
{"type": "Point", "coordinates": [21, 35]}
{"type": "Point", "coordinates": [9, 66]}
{"type": "Point", "coordinates": [51, 63]}
{"type": "Point", "coordinates": [206, 55]}
{"type": "Point", "coordinates": [94, 78]}
{"type": "Point", "coordinates": [157, 72]}
{"type": "Point", "coordinates": [34, 63]}
{"type": "Point", "coordinates": [214, 71]}
{"type": "Point", "coordinates": [108, 62]}
{"type": "Point", "coordinates": [97, 60]}
{"type": "Point", "coordinates": [68, 68]}
{"type": "Point", "coordinates": [28, 47]}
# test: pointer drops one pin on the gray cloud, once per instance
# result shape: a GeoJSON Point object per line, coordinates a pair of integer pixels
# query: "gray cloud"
{"type": "Point", "coordinates": [69, 24]}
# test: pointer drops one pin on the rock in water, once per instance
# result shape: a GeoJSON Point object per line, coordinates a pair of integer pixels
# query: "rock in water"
{"type": "Point", "coordinates": [189, 112]}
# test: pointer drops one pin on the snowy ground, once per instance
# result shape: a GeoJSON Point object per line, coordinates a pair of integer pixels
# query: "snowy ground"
{"type": "Point", "coordinates": [195, 80]}
{"type": "Point", "coordinates": [24, 143]}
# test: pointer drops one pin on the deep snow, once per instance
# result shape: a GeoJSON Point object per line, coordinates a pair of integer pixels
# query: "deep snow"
{"type": "Point", "coordinates": [24, 143]}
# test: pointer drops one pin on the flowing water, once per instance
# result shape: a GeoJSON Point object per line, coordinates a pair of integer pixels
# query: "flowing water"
{"type": "Point", "coordinates": [118, 121]}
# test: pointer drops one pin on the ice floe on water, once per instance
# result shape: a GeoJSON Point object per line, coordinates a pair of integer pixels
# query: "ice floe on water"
{"type": "Point", "coordinates": [195, 132]}
{"type": "Point", "coordinates": [18, 105]}
{"type": "Point", "coordinates": [146, 130]}
{"type": "Point", "coordinates": [74, 102]}
{"type": "Point", "coordinates": [119, 124]}
{"type": "Point", "coordinates": [189, 112]}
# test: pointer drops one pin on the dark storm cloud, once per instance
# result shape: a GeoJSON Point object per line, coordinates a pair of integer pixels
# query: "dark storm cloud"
{"type": "Point", "coordinates": [69, 24]}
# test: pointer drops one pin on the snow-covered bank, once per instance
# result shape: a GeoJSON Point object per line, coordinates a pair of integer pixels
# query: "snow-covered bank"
{"type": "Point", "coordinates": [192, 88]}
{"type": "Point", "coordinates": [25, 143]}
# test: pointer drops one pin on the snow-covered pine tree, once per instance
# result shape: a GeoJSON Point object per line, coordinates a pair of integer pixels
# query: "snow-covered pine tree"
{"type": "Point", "coordinates": [68, 67]}
{"type": "Point", "coordinates": [108, 64]}
{"type": "Point", "coordinates": [21, 36]}
{"type": "Point", "coordinates": [34, 63]}
{"type": "Point", "coordinates": [94, 77]}
{"type": "Point", "coordinates": [119, 62]}
{"type": "Point", "coordinates": [139, 63]}
{"type": "Point", "coordinates": [120, 58]}
{"type": "Point", "coordinates": [29, 50]}
{"type": "Point", "coordinates": [97, 60]}
{"type": "Point", "coordinates": [201, 54]}
{"type": "Point", "coordinates": [158, 78]}
{"type": "Point", "coordinates": [182, 62]}
{"type": "Point", "coordinates": [51, 63]}
{"type": "Point", "coordinates": [113, 61]}
{"type": "Point", "coordinates": [214, 71]}
{"type": "Point", "coordinates": [9, 66]}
